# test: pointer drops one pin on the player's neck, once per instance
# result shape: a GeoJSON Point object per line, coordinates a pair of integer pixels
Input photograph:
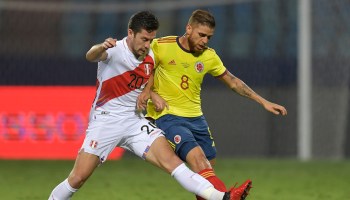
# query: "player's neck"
{"type": "Point", "coordinates": [184, 42]}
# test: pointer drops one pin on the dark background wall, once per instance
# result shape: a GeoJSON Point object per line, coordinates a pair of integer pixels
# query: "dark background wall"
{"type": "Point", "coordinates": [45, 44]}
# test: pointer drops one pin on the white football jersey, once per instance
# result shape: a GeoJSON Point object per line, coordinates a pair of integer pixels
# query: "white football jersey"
{"type": "Point", "coordinates": [121, 78]}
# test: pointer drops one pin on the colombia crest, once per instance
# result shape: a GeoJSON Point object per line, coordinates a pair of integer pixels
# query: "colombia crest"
{"type": "Point", "coordinates": [199, 66]}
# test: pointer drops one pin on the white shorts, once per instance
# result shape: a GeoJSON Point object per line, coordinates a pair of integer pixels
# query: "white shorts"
{"type": "Point", "coordinates": [126, 129]}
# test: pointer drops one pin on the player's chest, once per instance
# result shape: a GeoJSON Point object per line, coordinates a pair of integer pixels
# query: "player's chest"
{"type": "Point", "coordinates": [186, 65]}
{"type": "Point", "coordinates": [125, 64]}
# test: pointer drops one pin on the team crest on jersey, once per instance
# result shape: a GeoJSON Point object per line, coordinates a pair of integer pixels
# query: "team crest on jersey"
{"type": "Point", "coordinates": [93, 144]}
{"type": "Point", "coordinates": [147, 69]}
{"type": "Point", "coordinates": [199, 66]}
{"type": "Point", "coordinates": [177, 139]}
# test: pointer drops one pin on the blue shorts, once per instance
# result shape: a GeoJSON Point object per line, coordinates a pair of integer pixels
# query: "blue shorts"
{"type": "Point", "coordinates": [185, 133]}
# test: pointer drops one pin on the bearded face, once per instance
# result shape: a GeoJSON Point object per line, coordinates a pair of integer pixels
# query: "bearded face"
{"type": "Point", "coordinates": [198, 37]}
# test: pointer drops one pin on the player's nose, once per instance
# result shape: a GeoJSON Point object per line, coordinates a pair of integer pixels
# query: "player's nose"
{"type": "Point", "coordinates": [205, 40]}
{"type": "Point", "coordinates": [147, 45]}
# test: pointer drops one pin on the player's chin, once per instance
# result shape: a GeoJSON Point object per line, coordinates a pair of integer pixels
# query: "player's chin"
{"type": "Point", "coordinates": [199, 50]}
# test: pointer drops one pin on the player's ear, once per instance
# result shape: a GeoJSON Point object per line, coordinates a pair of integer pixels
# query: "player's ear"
{"type": "Point", "coordinates": [130, 33]}
{"type": "Point", "coordinates": [188, 29]}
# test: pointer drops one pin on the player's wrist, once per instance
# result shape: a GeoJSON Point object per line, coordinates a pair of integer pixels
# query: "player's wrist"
{"type": "Point", "coordinates": [103, 47]}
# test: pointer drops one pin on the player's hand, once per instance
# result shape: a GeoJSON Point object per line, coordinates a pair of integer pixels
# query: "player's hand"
{"type": "Point", "coordinates": [159, 103]}
{"type": "Point", "coordinates": [109, 43]}
{"type": "Point", "coordinates": [275, 108]}
{"type": "Point", "coordinates": [141, 102]}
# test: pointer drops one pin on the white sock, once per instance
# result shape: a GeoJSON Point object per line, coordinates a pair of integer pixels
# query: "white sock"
{"type": "Point", "coordinates": [62, 191]}
{"type": "Point", "coordinates": [213, 194]}
{"type": "Point", "coordinates": [195, 183]}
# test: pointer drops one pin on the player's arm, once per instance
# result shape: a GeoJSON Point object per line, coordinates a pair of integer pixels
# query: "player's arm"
{"type": "Point", "coordinates": [159, 103]}
{"type": "Point", "coordinates": [148, 93]}
{"type": "Point", "coordinates": [242, 89]}
{"type": "Point", "coordinates": [98, 52]}
{"type": "Point", "coordinates": [141, 102]}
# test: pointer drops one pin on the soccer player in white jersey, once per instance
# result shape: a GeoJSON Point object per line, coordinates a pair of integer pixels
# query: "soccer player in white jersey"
{"type": "Point", "coordinates": [124, 68]}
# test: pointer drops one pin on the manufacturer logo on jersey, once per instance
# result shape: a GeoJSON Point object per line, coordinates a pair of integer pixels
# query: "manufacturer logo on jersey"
{"type": "Point", "coordinates": [172, 62]}
{"type": "Point", "coordinates": [177, 139]}
{"type": "Point", "coordinates": [199, 66]}
{"type": "Point", "coordinates": [147, 69]}
{"type": "Point", "coordinates": [93, 144]}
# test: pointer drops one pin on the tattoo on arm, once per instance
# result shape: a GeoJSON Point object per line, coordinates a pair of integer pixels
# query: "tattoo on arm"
{"type": "Point", "coordinates": [241, 88]}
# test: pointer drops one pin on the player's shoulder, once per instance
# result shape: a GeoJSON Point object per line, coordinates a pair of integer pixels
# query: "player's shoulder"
{"type": "Point", "coordinates": [210, 52]}
{"type": "Point", "coordinates": [119, 47]}
{"type": "Point", "coordinates": [167, 39]}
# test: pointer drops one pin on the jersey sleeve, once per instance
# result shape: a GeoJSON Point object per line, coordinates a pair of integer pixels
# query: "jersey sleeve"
{"type": "Point", "coordinates": [109, 55]}
{"type": "Point", "coordinates": [154, 47]}
{"type": "Point", "coordinates": [218, 67]}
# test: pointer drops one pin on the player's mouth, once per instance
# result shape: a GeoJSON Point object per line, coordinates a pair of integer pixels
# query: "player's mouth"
{"type": "Point", "coordinates": [201, 47]}
{"type": "Point", "coordinates": [142, 51]}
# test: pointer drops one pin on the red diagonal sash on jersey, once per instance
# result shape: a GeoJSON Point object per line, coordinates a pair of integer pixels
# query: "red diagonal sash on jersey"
{"type": "Point", "coordinates": [126, 82]}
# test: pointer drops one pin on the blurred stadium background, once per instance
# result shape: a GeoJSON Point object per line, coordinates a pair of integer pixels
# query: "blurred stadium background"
{"type": "Point", "coordinates": [291, 52]}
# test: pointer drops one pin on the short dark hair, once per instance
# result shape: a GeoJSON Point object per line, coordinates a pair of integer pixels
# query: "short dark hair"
{"type": "Point", "coordinates": [143, 20]}
{"type": "Point", "coordinates": [202, 17]}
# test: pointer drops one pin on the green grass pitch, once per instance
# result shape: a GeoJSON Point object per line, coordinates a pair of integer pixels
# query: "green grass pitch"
{"type": "Point", "coordinates": [133, 179]}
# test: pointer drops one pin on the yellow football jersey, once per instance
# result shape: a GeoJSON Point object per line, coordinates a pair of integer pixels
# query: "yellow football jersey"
{"type": "Point", "coordinates": [179, 75]}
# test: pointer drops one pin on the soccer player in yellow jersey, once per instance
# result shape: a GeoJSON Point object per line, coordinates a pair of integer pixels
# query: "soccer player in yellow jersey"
{"type": "Point", "coordinates": [181, 64]}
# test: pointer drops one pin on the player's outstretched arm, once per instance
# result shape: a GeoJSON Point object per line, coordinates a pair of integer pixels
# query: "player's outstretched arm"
{"type": "Point", "coordinates": [242, 89]}
{"type": "Point", "coordinates": [98, 52]}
